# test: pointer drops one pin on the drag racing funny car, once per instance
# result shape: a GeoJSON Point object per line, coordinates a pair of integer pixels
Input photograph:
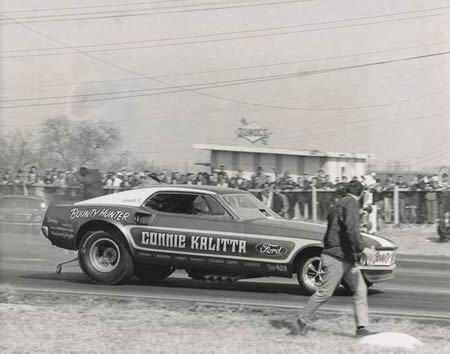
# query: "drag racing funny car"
{"type": "Point", "coordinates": [208, 231]}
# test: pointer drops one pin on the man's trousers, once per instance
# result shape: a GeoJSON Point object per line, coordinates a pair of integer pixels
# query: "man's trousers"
{"type": "Point", "coordinates": [337, 270]}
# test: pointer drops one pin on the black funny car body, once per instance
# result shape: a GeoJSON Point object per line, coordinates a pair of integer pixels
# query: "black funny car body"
{"type": "Point", "coordinates": [208, 231]}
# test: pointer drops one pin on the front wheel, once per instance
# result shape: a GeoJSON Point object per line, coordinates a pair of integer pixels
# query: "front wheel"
{"type": "Point", "coordinates": [104, 257]}
{"type": "Point", "coordinates": [310, 273]}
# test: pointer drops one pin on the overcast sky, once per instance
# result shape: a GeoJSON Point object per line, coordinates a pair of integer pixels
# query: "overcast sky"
{"type": "Point", "coordinates": [268, 57]}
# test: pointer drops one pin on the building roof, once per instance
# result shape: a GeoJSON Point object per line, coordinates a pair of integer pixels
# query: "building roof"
{"type": "Point", "coordinates": [263, 150]}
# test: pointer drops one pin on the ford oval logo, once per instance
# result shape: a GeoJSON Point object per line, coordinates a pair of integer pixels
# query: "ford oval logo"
{"type": "Point", "coordinates": [269, 249]}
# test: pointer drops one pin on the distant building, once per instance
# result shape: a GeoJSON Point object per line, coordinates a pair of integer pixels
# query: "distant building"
{"type": "Point", "coordinates": [297, 162]}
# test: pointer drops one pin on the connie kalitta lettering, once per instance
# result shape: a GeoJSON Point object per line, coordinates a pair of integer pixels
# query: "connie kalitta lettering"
{"type": "Point", "coordinates": [193, 242]}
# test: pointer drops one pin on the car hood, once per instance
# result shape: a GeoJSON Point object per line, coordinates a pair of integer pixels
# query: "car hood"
{"type": "Point", "coordinates": [285, 228]}
{"type": "Point", "coordinates": [306, 230]}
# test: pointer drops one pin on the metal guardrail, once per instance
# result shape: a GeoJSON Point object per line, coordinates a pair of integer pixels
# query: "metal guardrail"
{"type": "Point", "coordinates": [397, 206]}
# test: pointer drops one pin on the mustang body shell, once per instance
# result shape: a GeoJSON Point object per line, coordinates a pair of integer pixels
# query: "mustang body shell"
{"type": "Point", "coordinates": [233, 245]}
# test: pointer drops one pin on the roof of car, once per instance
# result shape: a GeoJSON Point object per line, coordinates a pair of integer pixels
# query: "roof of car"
{"type": "Point", "coordinates": [213, 189]}
{"type": "Point", "coordinates": [136, 197]}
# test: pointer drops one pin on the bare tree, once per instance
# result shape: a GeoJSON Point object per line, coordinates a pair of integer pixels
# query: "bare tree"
{"type": "Point", "coordinates": [74, 143]}
{"type": "Point", "coordinates": [16, 150]}
{"type": "Point", "coordinates": [56, 140]}
{"type": "Point", "coordinates": [92, 140]}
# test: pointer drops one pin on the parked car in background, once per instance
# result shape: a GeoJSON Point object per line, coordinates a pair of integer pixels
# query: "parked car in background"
{"type": "Point", "coordinates": [22, 210]}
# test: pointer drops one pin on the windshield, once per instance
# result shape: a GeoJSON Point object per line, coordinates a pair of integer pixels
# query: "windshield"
{"type": "Point", "coordinates": [247, 206]}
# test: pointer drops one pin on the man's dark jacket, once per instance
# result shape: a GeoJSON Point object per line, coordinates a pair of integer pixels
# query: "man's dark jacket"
{"type": "Point", "coordinates": [91, 184]}
{"type": "Point", "coordinates": [342, 238]}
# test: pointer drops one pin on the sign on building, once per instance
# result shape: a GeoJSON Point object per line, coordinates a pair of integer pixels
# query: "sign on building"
{"type": "Point", "coordinates": [252, 133]}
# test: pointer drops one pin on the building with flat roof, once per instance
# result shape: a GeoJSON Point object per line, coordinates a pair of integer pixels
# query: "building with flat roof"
{"type": "Point", "coordinates": [297, 162]}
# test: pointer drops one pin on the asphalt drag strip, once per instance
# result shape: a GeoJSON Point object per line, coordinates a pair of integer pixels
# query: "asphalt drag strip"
{"type": "Point", "coordinates": [277, 292]}
{"type": "Point", "coordinates": [421, 286]}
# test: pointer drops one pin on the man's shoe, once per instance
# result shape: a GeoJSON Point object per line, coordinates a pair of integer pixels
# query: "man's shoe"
{"type": "Point", "coordinates": [363, 332]}
{"type": "Point", "coordinates": [302, 327]}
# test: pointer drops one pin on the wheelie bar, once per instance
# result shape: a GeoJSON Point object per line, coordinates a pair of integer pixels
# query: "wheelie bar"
{"type": "Point", "coordinates": [60, 265]}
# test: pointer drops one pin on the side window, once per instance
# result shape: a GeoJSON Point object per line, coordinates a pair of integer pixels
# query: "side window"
{"type": "Point", "coordinates": [199, 205]}
{"type": "Point", "coordinates": [172, 203]}
{"type": "Point", "coordinates": [186, 203]}
{"type": "Point", "coordinates": [214, 207]}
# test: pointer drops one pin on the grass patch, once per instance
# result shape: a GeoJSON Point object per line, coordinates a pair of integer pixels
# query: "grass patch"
{"type": "Point", "coordinates": [84, 324]}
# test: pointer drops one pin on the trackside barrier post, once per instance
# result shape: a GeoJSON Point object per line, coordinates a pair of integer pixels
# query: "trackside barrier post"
{"type": "Point", "coordinates": [297, 213]}
{"type": "Point", "coordinates": [314, 203]}
{"type": "Point", "coordinates": [396, 206]}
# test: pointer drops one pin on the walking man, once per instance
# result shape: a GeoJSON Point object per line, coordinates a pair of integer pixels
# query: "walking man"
{"type": "Point", "coordinates": [342, 249]}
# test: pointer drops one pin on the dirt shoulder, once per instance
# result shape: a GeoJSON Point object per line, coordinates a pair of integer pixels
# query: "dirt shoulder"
{"type": "Point", "coordinates": [417, 240]}
{"type": "Point", "coordinates": [85, 324]}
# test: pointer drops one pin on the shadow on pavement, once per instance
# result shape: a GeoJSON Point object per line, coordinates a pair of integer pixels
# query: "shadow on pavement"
{"type": "Point", "coordinates": [183, 283]}
{"type": "Point", "coordinates": [71, 277]}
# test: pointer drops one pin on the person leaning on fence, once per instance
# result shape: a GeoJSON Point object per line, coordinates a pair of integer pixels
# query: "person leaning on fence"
{"type": "Point", "coordinates": [342, 249]}
{"type": "Point", "coordinates": [272, 198]}
{"type": "Point", "coordinates": [280, 202]}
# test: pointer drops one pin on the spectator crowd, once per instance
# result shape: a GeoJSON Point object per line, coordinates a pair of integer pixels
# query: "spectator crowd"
{"type": "Point", "coordinates": [289, 196]}
{"type": "Point", "coordinates": [220, 177]}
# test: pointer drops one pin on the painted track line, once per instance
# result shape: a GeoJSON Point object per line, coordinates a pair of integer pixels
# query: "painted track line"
{"type": "Point", "coordinates": [403, 314]}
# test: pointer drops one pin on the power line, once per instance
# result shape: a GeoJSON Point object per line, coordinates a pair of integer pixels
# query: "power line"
{"type": "Point", "coordinates": [208, 85]}
{"type": "Point", "coordinates": [90, 6]}
{"type": "Point", "coordinates": [257, 33]}
{"type": "Point", "coordinates": [150, 78]}
{"type": "Point", "coordinates": [182, 9]}
{"type": "Point", "coordinates": [126, 11]}
{"type": "Point", "coordinates": [249, 67]}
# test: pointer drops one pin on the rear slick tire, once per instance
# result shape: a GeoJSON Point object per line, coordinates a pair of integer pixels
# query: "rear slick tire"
{"type": "Point", "coordinates": [105, 258]}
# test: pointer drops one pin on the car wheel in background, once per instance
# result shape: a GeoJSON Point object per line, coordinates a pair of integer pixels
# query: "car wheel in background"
{"type": "Point", "coordinates": [152, 272]}
{"type": "Point", "coordinates": [443, 237]}
{"type": "Point", "coordinates": [310, 272]}
{"type": "Point", "coordinates": [105, 258]}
